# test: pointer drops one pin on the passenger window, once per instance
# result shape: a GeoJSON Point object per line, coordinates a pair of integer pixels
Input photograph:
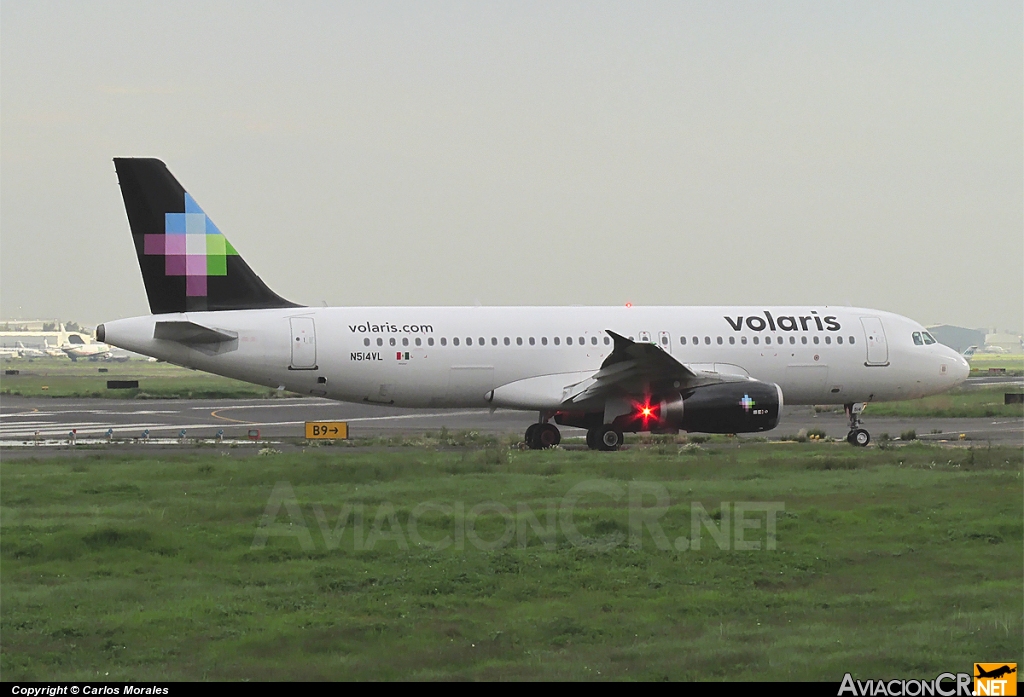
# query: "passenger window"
{"type": "Point", "coordinates": [593, 340]}
{"type": "Point", "coordinates": [366, 341]}
{"type": "Point", "coordinates": [380, 342]}
{"type": "Point", "coordinates": [481, 341]}
{"type": "Point", "coordinates": [839, 339]}
{"type": "Point", "coordinates": [405, 342]}
{"type": "Point", "coordinates": [557, 341]}
{"type": "Point", "coordinates": [568, 341]}
{"type": "Point", "coordinates": [707, 340]}
{"type": "Point", "coordinates": [828, 340]}
{"type": "Point", "coordinates": [719, 341]}
{"type": "Point", "coordinates": [928, 338]}
{"type": "Point", "coordinates": [767, 340]}
{"type": "Point", "coordinates": [743, 340]}
{"type": "Point", "coordinates": [543, 341]}
{"type": "Point", "coordinates": [803, 340]}
{"type": "Point", "coordinates": [917, 339]}
{"type": "Point", "coordinates": [507, 341]}
{"type": "Point", "coordinates": [816, 340]}
{"type": "Point", "coordinates": [607, 340]}
{"type": "Point", "coordinates": [582, 341]}
{"type": "Point", "coordinates": [469, 341]}
{"type": "Point", "coordinates": [756, 340]}
{"type": "Point", "coordinates": [519, 341]}
{"type": "Point", "coordinates": [532, 341]}
{"type": "Point", "coordinates": [792, 339]}
{"type": "Point", "coordinates": [851, 339]}
{"type": "Point", "coordinates": [732, 340]}
{"type": "Point", "coordinates": [444, 341]}
{"type": "Point", "coordinates": [391, 341]}
{"type": "Point", "coordinates": [682, 340]}
{"type": "Point", "coordinates": [455, 341]}
{"type": "Point", "coordinates": [696, 341]}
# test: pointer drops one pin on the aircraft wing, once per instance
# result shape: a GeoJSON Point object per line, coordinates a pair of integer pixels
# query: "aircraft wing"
{"type": "Point", "coordinates": [637, 368]}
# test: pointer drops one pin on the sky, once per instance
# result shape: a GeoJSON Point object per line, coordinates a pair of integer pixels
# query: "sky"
{"type": "Point", "coordinates": [522, 153]}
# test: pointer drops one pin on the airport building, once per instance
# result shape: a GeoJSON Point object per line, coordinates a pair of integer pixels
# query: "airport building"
{"type": "Point", "coordinates": [1010, 343]}
{"type": "Point", "coordinates": [958, 338]}
{"type": "Point", "coordinates": [39, 334]}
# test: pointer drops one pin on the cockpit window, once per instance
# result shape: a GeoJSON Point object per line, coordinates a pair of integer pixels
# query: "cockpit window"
{"type": "Point", "coordinates": [928, 338]}
{"type": "Point", "coordinates": [917, 339]}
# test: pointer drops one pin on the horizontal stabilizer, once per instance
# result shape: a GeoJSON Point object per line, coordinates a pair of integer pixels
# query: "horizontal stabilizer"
{"type": "Point", "coordinates": [191, 333]}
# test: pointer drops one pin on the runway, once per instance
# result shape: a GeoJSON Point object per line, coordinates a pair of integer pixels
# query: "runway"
{"type": "Point", "coordinates": [53, 419]}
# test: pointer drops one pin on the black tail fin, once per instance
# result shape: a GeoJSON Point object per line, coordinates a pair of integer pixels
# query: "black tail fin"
{"type": "Point", "coordinates": [187, 264]}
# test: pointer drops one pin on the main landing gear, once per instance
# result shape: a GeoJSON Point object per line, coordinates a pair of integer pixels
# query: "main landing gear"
{"type": "Point", "coordinates": [857, 435]}
{"type": "Point", "coordinates": [604, 437]}
{"type": "Point", "coordinates": [542, 435]}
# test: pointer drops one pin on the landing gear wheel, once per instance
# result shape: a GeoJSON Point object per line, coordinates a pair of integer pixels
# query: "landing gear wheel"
{"type": "Point", "coordinates": [609, 438]}
{"type": "Point", "coordinates": [858, 437]}
{"type": "Point", "coordinates": [531, 432]}
{"type": "Point", "coordinates": [594, 438]}
{"type": "Point", "coordinates": [541, 436]}
{"type": "Point", "coordinates": [548, 436]}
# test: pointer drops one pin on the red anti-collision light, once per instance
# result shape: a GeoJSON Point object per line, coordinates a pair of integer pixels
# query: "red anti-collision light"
{"type": "Point", "coordinates": [645, 412]}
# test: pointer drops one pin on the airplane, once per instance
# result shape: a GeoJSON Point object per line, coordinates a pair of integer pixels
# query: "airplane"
{"type": "Point", "coordinates": [609, 370]}
{"type": "Point", "coordinates": [52, 351]}
{"type": "Point", "coordinates": [995, 672]}
{"type": "Point", "coordinates": [27, 352]}
{"type": "Point", "coordinates": [76, 348]}
{"type": "Point", "coordinates": [969, 352]}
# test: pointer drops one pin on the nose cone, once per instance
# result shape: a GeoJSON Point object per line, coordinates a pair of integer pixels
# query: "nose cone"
{"type": "Point", "coordinates": [957, 367]}
{"type": "Point", "coordinates": [962, 371]}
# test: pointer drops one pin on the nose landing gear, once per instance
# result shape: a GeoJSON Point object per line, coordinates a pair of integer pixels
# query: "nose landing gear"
{"type": "Point", "coordinates": [857, 436]}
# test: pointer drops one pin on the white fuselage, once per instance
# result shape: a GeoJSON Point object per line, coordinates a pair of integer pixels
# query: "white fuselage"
{"type": "Point", "coordinates": [93, 350]}
{"type": "Point", "coordinates": [456, 356]}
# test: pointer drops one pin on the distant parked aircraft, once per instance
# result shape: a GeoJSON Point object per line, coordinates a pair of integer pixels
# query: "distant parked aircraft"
{"type": "Point", "coordinates": [75, 348]}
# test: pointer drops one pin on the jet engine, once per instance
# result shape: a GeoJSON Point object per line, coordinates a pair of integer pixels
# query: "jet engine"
{"type": "Point", "coordinates": [732, 407]}
{"type": "Point", "coordinates": [749, 406]}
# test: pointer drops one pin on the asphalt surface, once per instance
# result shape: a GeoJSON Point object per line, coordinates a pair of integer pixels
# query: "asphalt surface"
{"type": "Point", "coordinates": [49, 419]}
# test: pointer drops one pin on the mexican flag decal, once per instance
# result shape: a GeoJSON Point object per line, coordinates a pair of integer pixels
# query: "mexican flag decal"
{"type": "Point", "coordinates": [399, 356]}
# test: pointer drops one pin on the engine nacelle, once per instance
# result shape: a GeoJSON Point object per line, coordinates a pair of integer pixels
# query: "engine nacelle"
{"type": "Point", "coordinates": [731, 407]}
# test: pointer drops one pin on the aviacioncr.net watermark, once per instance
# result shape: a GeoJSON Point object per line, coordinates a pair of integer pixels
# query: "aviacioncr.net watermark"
{"type": "Point", "coordinates": [651, 518]}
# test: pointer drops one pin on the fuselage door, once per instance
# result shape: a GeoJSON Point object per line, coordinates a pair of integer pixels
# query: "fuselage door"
{"type": "Point", "coordinates": [645, 337]}
{"type": "Point", "coordinates": [303, 343]}
{"type": "Point", "coordinates": [665, 341]}
{"type": "Point", "coordinates": [878, 349]}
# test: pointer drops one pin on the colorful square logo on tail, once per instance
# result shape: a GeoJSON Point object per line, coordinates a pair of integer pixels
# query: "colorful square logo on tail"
{"type": "Point", "coordinates": [192, 246]}
{"type": "Point", "coordinates": [995, 679]}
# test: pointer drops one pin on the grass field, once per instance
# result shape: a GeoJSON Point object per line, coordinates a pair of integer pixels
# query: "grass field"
{"type": "Point", "coordinates": [60, 377]}
{"type": "Point", "coordinates": [1013, 364]}
{"type": "Point", "coordinates": [887, 563]}
{"type": "Point", "coordinates": [957, 403]}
